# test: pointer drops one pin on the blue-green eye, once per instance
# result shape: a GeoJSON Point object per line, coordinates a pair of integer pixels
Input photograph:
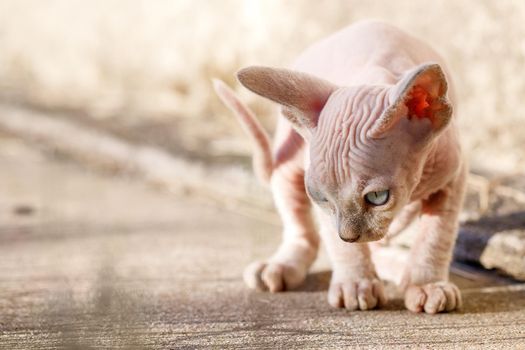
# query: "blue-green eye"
{"type": "Point", "coordinates": [377, 197]}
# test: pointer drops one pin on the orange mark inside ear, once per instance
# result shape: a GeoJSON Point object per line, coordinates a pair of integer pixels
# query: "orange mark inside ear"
{"type": "Point", "coordinates": [418, 103]}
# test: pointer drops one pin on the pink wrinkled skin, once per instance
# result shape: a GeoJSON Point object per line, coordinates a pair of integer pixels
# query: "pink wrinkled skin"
{"type": "Point", "coordinates": [367, 109]}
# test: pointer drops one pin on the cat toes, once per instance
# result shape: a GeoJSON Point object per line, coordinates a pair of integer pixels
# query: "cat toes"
{"type": "Point", "coordinates": [356, 294]}
{"type": "Point", "coordinates": [433, 297]}
{"type": "Point", "coordinates": [274, 276]}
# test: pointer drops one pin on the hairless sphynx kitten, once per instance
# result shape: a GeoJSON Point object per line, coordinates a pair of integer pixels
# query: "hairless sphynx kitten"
{"type": "Point", "coordinates": [367, 135]}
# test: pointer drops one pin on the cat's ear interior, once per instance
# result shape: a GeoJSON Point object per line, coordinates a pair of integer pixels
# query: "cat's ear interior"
{"type": "Point", "coordinates": [421, 98]}
{"type": "Point", "coordinates": [302, 96]}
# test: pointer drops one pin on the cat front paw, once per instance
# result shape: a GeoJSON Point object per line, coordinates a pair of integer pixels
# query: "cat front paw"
{"type": "Point", "coordinates": [432, 298]}
{"type": "Point", "coordinates": [285, 270]}
{"type": "Point", "coordinates": [274, 276]}
{"type": "Point", "coordinates": [356, 293]}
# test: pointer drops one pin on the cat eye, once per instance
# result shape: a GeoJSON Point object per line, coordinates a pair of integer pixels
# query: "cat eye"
{"type": "Point", "coordinates": [319, 198]}
{"type": "Point", "coordinates": [315, 195]}
{"type": "Point", "coordinates": [377, 197]}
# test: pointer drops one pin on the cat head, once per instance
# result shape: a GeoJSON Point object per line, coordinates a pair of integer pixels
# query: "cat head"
{"type": "Point", "coordinates": [366, 143]}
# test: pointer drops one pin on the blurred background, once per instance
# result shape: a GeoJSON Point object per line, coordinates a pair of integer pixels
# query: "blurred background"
{"type": "Point", "coordinates": [127, 199]}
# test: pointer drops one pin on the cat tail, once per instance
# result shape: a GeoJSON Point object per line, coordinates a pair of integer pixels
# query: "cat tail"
{"type": "Point", "coordinates": [262, 156]}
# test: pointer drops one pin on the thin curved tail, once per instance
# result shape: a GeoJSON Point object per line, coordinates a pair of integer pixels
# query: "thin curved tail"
{"type": "Point", "coordinates": [262, 156]}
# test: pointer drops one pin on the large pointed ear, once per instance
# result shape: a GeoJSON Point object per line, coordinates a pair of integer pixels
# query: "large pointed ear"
{"type": "Point", "coordinates": [301, 95]}
{"type": "Point", "coordinates": [421, 98]}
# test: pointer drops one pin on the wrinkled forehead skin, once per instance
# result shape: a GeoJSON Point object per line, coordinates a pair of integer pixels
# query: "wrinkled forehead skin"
{"type": "Point", "coordinates": [342, 152]}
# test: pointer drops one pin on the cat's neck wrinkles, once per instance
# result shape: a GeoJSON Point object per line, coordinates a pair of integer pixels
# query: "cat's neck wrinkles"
{"type": "Point", "coordinates": [441, 165]}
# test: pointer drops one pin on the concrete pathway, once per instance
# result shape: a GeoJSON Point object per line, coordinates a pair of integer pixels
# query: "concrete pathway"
{"type": "Point", "coordinates": [101, 262]}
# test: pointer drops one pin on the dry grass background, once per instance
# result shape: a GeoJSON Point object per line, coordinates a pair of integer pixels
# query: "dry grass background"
{"type": "Point", "coordinates": [129, 60]}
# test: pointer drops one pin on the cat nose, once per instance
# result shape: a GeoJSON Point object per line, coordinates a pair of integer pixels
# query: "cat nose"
{"type": "Point", "coordinates": [349, 229]}
{"type": "Point", "coordinates": [349, 238]}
